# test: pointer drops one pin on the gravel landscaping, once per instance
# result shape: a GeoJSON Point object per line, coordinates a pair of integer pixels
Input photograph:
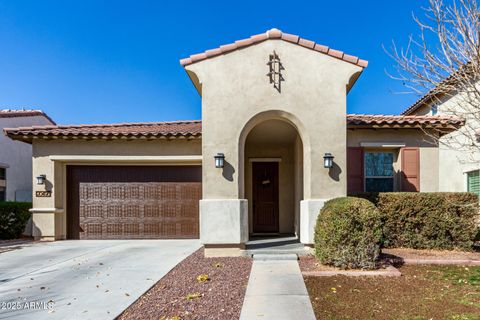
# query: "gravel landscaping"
{"type": "Point", "coordinates": [197, 288]}
{"type": "Point", "coordinates": [422, 292]}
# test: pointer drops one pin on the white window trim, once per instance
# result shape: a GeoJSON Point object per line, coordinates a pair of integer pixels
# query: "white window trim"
{"type": "Point", "coordinates": [385, 144]}
{"type": "Point", "coordinates": [466, 178]}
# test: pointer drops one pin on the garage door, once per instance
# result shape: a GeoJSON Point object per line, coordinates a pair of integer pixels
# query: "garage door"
{"type": "Point", "coordinates": [133, 202]}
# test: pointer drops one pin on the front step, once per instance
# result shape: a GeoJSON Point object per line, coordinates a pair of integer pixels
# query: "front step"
{"type": "Point", "coordinates": [274, 256]}
{"type": "Point", "coordinates": [299, 251]}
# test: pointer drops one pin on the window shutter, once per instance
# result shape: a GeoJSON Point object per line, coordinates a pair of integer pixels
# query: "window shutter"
{"type": "Point", "coordinates": [354, 170]}
{"type": "Point", "coordinates": [474, 182]}
{"type": "Point", "coordinates": [410, 180]}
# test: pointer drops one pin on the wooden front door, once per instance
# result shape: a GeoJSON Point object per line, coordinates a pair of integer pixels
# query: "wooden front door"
{"type": "Point", "coordinates": [265, 197]}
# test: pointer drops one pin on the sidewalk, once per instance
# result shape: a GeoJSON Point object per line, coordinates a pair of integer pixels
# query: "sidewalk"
{"type": "Point", "coordinates": [276, 291]}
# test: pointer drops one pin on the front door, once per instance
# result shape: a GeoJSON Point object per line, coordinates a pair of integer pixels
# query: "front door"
{"type": "Point", "coordinates": [265, 197]}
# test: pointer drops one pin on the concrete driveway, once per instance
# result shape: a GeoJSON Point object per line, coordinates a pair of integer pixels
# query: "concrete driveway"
{"type": "Point", "coordinates": [89, 279]}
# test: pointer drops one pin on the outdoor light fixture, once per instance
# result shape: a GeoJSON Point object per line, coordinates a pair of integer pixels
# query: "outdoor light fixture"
{"type": "Point", "coordinates": [41, 179]}
{"type": "Point", "coordinates": [328, 160]}
{"type": "Point", "coordinates": [219, 160]}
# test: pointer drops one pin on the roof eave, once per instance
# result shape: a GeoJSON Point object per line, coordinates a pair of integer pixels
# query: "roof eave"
{"type": "Point", "coordinates": [273, 34]}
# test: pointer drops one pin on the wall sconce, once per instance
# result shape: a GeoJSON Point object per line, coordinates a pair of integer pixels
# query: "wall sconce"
{"type": "Point", "coordinates": [219, 160]}
{"type": "Point", "coordinates": [41, 179]}
{"type": "Point", "coordinates": [328, 160]}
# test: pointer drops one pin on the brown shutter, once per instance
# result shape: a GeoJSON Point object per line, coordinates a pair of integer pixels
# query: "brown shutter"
{"type": "Point", "coordinates": [354, 170]}
{"type": "Point", "coordinates": [410, 169]}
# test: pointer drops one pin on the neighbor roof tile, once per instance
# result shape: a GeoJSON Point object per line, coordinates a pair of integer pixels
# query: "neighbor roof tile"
{"type": "Point", "coordinates": [9, 113]}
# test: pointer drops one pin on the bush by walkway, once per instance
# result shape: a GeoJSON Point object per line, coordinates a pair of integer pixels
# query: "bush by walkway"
{"type": "Point", "coordinates": [348, 234]}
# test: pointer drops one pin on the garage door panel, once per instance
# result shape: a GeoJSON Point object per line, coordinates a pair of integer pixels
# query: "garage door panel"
{"type": "Point", "coordinates": [131, 210]}
{"type": "Point", "coordinates": [123, 210]}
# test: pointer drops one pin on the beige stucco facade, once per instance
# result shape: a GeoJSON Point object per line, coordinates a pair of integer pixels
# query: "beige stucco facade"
{"type": "Point", "coordinates": [456, 154]}
{"type": "Point", "coordinates": [392, 140]}
{"type": "Point", "coordinates": [237, 96]}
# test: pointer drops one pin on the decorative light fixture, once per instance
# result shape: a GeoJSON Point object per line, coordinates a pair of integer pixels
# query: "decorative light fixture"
{"type": "Point", "coordinates": [41, 179]}
{"type": "Point", "coordinates": [328, 160]}
{"type": "Point", "coordinates": [219, 160]}
{"type": "Point", "coordinates": [275, 68]}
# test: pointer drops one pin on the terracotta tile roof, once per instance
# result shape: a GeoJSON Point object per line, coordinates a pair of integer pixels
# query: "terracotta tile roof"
{"type": "Point", "coordinates": [402, 121]}
{"type": "Point", "coordinates": [193, 129]}
{"type": "Point", "coordinates": [9, 113]}
{"type": "Point", "coordinates": [147, 130]}
{"type": "Point", "coordinates": [273, 34]}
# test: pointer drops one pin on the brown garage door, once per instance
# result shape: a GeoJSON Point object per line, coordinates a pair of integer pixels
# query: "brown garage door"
{"type": "Point", "coordinates": [133, 202]}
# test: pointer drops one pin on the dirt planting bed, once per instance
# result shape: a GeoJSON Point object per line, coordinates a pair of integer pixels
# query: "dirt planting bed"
{"type": "Point", "coordinates": [197, 288]}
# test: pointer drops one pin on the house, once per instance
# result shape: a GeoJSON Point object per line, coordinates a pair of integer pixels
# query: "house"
{"type": "Point", "coordinates": [274, 143]}
{"type": "Point", "coordinates": [458, 158]}
{"type": "Point", "coordinates": [16, 157]}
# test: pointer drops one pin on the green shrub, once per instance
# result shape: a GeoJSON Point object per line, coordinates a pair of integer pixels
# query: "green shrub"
{"type": "Point", "coordinates": [348, 234]}
{"type": "Point", "coordinates": [13, 218]}
{"type": "Point", "coordinates": [437, 220]}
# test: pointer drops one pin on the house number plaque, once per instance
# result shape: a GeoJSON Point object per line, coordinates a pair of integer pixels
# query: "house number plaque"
{"type": "Point", "coordinates": [43, 194]}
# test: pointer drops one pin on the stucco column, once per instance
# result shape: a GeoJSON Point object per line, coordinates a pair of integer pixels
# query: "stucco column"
{"type": "Point", "coordinates": [48, 215]}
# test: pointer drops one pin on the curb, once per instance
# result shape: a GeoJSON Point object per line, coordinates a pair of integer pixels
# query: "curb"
{"type": "Point", "coordinates": [458, 262]}
{"type": "Point", "coordinates": [389, 271]}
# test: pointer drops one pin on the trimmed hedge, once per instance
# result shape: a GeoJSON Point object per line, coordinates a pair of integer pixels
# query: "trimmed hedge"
{"type": "Point", "coordinates": [440, 220]}
{"type": "Point", "coordinates": [348, 234]}
{"type": "Point", "coordinates": [13, 218]}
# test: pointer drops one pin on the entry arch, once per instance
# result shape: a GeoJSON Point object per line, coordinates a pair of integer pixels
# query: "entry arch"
{"type": "Point", "coordinates": [269, 137]}
{"type": "Point", "coordinates": [263, 116]}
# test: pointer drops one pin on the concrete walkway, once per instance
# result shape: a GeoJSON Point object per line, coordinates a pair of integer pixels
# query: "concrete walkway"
{"type": "Point", "coordinates": [276, 291]}
{"type": "Point", "coordinates": [83, 279]}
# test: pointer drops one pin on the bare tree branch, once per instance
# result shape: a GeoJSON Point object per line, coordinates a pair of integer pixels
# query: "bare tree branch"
{"type": "Point", "coordinates": [443, 62]}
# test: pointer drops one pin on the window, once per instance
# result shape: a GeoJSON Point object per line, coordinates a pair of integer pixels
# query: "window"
{"type": "Point", "coordinates": [3, 176]}
{"type": "Point", "coordinates": [378, 171]}
{"type": "Point", "coordinates": [473, 181]}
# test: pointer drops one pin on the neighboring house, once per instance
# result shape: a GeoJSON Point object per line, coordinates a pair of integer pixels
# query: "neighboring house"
{"type": "Point", "coordinates": [274, 110]}
{"type": "Point", "coordinates": [458, 164]}
{"type": "Point", "coordinates": [16, 157]}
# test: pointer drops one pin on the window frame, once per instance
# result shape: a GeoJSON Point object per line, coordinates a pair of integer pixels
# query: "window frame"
{"type": "Point", "coordinates": [365, 176]}
{"type": "Point", "coordinates": [4, 173]}
{"type": "Point", "coordinates": [4, 180]}
{"type": "Point", "coordinates": [477, 171]}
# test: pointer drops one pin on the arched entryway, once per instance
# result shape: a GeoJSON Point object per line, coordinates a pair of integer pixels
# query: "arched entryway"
{"type": "Point", "coordinates": [273, 177]}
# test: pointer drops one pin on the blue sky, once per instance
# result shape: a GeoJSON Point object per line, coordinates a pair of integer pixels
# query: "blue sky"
{"type": "Point", "coordinates": [117, 61]}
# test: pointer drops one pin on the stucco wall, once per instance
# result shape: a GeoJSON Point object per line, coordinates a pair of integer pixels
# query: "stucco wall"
{"type": "Point", "coordinates": [429, 152]}
{"type": "Point", "coordinates": [16, 156]}
{"type": "Point", "coordinates": [235, 89]}
{"type": "Point", "coordinates": [454, 158]}
{"type": "Point", "coordinates": [50, 211]}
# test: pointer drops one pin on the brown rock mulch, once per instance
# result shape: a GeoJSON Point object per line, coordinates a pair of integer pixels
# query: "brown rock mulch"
{"type": "Point", "coordinates": [220, 297]}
